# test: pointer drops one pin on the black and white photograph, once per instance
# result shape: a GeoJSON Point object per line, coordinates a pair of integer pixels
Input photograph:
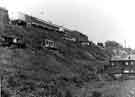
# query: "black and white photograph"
{"type": "Point", "coordinates": [67, 48]}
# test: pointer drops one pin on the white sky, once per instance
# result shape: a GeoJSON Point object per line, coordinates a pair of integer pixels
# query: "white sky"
{"type": "Point", "coordinates": [101, 20]}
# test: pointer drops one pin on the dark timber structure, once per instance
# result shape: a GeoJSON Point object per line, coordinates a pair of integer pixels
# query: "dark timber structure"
{"type": "Point", "coordinates": [123, 61]}
{"type": "Point", "coordinates": [122, 65]}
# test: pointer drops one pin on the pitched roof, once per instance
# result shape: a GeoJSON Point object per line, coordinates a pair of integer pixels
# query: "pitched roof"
{"type": "Point", "coordinates": [123, 58]}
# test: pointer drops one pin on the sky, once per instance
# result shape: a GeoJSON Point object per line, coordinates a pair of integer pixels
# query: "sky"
{"type": "Point", "coordinates": [101, 20]}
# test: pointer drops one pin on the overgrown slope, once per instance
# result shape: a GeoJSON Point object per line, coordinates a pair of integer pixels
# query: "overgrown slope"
{"type": "Point", "coordinates": [40, 72]}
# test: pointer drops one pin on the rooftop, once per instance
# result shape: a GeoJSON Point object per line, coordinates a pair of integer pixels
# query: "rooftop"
{"type": "Point", "coordinates": [123, 58]}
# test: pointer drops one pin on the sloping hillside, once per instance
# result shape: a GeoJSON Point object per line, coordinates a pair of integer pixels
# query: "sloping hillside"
{"type": "Point", "coordinates": [37, 71]}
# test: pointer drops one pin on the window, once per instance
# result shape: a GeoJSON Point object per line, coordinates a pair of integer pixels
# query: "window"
{"type": "Point", "coordinates": [132, 63]}
{"type": "Point", "coordinates": [126, 63]}
{"type": "Point", "coordinates": [14, 40]}
{"type": "Point", "coordinates": [126, 71]}
{"type": "Point", "coordinates": [48, 43]}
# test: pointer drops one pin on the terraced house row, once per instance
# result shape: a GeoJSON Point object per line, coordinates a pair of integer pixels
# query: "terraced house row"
{"type": "Point", "coordinates": [30, 22]}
